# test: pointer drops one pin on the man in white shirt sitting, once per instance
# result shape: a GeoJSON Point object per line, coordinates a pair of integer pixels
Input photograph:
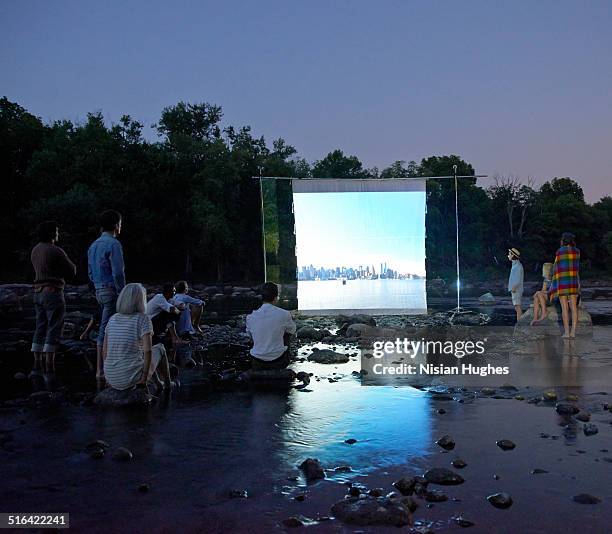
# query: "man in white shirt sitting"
{"type": "Point", "coordinates": [271, 328]}
{"type": "Point", "coordinates": [163, 314]}
{"type": "Point", "coordinates": [189, 321]}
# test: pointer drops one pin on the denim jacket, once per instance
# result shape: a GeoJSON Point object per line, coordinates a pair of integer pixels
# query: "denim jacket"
{"type": "Point", "coordinates": [105, 263]}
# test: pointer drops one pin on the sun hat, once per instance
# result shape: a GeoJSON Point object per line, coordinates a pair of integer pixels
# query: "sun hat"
{"type": "Point", "coordinates": [515, 252]}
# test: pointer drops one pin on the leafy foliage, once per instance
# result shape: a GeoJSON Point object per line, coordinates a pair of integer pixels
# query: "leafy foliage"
{"type": "Point", "coordinates": [191, 207]}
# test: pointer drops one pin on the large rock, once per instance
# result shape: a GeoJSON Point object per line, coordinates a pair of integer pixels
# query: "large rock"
{"type": "Point", "coordinates": [443, 476]}
{"type": "Point", "coordinates": [327, 356]}
{"type": "Point", "coordinates": [552, 325]}
{"type": "Point", "coordinates": [308, 332]}
{"type": "Point", "coordinates": [122, 398]}
{"type": "Point", "coordinates": [312, 469]}
{"type": "Point", "coordinates": [354, 319]}
{"type": "Point", "coordinates": [360, 330]}
{"type": "Point", "coordinates": [366, 510]}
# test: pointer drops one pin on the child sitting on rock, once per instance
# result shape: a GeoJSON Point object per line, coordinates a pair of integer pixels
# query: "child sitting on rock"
{"type": "Point", "coordinates": [540, 298]}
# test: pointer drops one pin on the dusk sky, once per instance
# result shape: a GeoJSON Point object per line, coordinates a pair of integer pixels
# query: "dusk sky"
{"type": "Point", "coordinates": [517, 87]}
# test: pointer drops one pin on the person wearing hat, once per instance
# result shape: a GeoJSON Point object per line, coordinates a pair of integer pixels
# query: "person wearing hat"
{"type": "Point", "coordinates": [515, 282]}
{"type": "Point", "coordinates": [566, 282]}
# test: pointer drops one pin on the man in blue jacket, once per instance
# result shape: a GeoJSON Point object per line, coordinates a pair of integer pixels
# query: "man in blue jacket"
{"type": "Point", "coordinates": [106, 272]}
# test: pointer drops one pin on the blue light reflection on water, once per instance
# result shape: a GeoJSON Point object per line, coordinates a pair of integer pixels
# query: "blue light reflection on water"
{"type": "Point", "coordinates": [391, 425]}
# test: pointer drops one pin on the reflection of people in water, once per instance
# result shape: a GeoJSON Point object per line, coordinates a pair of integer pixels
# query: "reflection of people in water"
{"type": "Point", "coordinates": [540, 298]}
{"type": "Point", "coordinates": [515, 282]}
{"type": "Point", "coordinates": [566, 282]}
{"type": "Point", "coordinates": [271, 328]}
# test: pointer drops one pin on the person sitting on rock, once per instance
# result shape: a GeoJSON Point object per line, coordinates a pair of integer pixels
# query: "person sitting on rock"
{"type": "Point", "coordinates": [164, 315]}
{"type": "Point", "coordinates": [515, 281]}
{"type": "Point", "coordinates": [540, 298]}
{"type": "Point", "coordinates": [189, 320]}
{"type": "Point", "coordinates": [271, 329]}
{"type": "Point", "coordinates": [130, 357]}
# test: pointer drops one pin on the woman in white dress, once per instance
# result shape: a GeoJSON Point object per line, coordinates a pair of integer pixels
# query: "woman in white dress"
{"type": "Point", "coordinates": [130, 359]}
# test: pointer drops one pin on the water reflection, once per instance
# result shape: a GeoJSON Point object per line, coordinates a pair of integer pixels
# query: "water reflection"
{"type": "Point", "coordinates": [390, 425]}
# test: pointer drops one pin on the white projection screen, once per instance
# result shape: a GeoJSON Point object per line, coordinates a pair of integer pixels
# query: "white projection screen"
{"type": "Point", "coordinates": [360, 246]}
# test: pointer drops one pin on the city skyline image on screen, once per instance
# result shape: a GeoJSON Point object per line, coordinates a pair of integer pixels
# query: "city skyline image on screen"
{"type": "Point", "coordinates": [361, 250]}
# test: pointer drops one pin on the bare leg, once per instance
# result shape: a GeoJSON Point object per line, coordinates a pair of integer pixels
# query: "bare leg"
{"type": "Point", "coordinates": [196, 315]}
{"type": "Point", "coordinates": [565, 315]}
{"type": "Point", "coordinates": [536, 309]}
{"type": "Point", "coordinates": [519, 311]}
{"type": "Point", "coordinates": [543, 304]}
{"type": "Point", "coordinates": [574, 307]}
{"type": "Point", "coordinates": [50, 362]}
{"type": "Point", "coordinates": [100, 368]}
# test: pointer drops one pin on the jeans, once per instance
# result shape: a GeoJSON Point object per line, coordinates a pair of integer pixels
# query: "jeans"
{"type": "Point", "coordinates": [50, 309]}
{"type": "Point", "coordinates": [107, 298]}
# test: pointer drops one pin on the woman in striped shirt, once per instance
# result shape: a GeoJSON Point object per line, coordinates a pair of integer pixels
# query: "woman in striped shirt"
{"type": "Point", "coordinates": [130, 358]}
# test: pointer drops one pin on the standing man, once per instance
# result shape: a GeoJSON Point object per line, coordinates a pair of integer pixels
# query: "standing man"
{"type": "Point", "coordinates": [271, 328]}
{"type": "Point", "coordinates": [51, 267]}
{"type": "Point", "coordinates": [515, 282]}
{"type": "Point", "coordinates": [106, 272]}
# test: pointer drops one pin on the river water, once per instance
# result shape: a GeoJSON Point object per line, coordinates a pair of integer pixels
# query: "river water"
{"type": "Point", "coordinates": [193, 448]}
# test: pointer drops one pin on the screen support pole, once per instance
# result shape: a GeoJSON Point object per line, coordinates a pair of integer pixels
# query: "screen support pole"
{"type": "Point", "coordinates": [457, 236]}
{"type": "Point", "coordinates": [263, 229]}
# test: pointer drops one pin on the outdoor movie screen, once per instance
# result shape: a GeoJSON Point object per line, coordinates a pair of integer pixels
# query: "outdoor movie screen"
{"type": "Point", "coordinates": [360, 246]}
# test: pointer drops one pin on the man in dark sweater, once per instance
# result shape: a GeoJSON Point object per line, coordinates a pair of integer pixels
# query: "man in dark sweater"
{"type": "Point", "coordinates": [51, 267]}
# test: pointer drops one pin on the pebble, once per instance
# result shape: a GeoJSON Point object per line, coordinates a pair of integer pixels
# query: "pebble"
{"type": "Point", "coordinates": [446, 442]}
{"type": "Point", "coordinates": [537, 471]}
{"type": "Point", "coordinates": [585, 498]}
{"type": "Point", "coordinates": [405, 485]}
{"type": "Point", "coordinates": [590, 429]}
{"type": "Point", "coordinates": [565, 408]}
{"type": "Point", "coordinates": [435, 496]}
{"type": "Point", "coordinates": [549, 395]}
{"type": "Point", "coordinates": [443, 476]}
{"type": "Point", "coordinates": [238, 494]}
{"type": "Point", "coordinates": [584, 417]}
{"type": "Point", "coordinates": [500, 500]}
{"type": "Point", "coordinates": [350, 441]}
{"type": "Point", "coordinates": [293, 522]}
{"type": "Point", "coordinates": [122, 454]}
{"type": "Point", "coordinates": [312, 469]}
{"type": "Point", "coordinates": [96, 453]}
{"type": "Point", "coordinates": [459, 463]}
{"type": "Point", "coordinates": [462, 522]}
{"type": "Point", "coordinates": [505, 444]}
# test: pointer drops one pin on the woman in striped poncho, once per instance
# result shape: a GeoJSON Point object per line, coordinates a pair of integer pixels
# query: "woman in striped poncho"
{"type": "Point", "coordinates": [566, 282]}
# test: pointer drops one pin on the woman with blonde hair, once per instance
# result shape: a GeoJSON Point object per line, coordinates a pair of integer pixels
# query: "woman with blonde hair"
{"type": "Point", "coordinates": [540, 298]}
{"type": "Point", "coordinates": [130, 358]}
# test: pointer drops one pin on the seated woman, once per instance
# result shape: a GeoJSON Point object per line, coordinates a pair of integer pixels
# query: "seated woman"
{"type": "Point", "coordinates": [130, 358]}
{"type": "Point", "coordinates": [540, 298]}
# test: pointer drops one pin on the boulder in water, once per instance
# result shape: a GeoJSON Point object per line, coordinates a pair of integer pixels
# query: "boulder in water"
{"type": "Point", "coordinates": [368, 510]}
{"type": "Point", "coordinates": [327, 356]}
{"type": "Point", "coordinates": [123, 398]}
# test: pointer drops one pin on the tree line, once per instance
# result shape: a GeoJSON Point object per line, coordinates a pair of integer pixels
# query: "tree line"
{"type": "Point", "coordinates": [192, 209]}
